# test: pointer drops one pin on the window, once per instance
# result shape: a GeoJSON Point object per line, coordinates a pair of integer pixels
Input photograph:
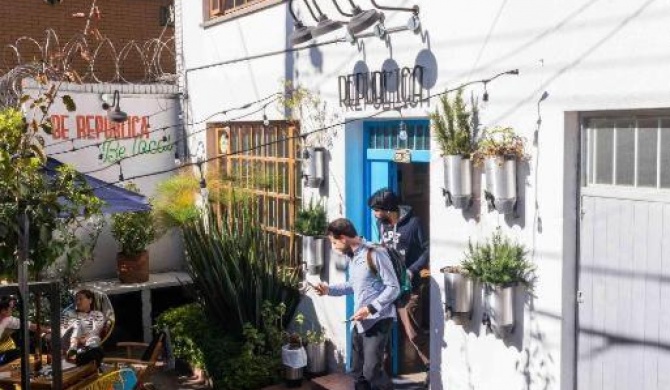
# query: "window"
{"type": "Point", "coordinates": [224, 7]}
{"type": "Point", "coordinates": [628, 151]}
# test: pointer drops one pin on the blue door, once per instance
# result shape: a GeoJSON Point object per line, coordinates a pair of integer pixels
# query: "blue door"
{"type": "Point", "coordinates": [380, 140]}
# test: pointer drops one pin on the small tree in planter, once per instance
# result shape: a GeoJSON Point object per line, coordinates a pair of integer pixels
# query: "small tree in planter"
{"type": "Point", "coordinates": [134, 231]}
{"type": "Point", "coordinates": [499, 150]}
{"type": "Point", "coordinates": [311, 223]}
{"type": "Point", "coordinates": [455, 132]}
{"type": "Point", "coordinates": [501, 265]}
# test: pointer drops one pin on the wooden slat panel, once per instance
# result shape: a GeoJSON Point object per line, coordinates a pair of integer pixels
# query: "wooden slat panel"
{"type": "Point", "coordinates": [652, 296]}
{"type": "Point", "coordinates": [611, 277]}
{"type": "Point", "coordinates": [636, 352]}
{"type": "Point", "coordinates": [626, 267]}
{"type": "Point", "coordinates": [598, 341]}
{"type": "Point", "coordinates": [664, 313]}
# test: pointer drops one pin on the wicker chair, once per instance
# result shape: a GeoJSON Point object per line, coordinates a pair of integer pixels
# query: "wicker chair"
{"type": "Point", "coordinates": [121, 379]}
{"type": "Point", "coordinates": [101, 303]}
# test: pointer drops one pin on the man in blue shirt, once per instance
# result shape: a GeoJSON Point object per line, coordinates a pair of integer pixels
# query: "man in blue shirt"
{"type": "Point", "coordinates": [374, 293]}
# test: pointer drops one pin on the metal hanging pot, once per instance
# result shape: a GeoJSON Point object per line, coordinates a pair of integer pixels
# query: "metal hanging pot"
{"type": "Point", "coordinates": [459, 291]}
{"type": "Point", "coordinates": [313, 164]}
{"type": "Point", "coordinates": [501, 183]}
{"type": "Point", "coordinates": [313, 253]}
{"type": "Point", "coordinates": [458, 181]}
{"type": "Point", "coordinates": [316, 358]}
{"type": "Point", "coordinates": [500, 300]}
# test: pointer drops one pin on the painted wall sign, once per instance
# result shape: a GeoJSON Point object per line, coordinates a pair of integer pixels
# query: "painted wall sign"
{"type": "Point", "coordinates": [119, 140]}
{"type": "Point", "coordinates": [382, 88]}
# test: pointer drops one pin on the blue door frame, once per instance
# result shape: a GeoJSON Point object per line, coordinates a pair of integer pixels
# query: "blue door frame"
{"type": "Point", "coordinates": [374, 152]}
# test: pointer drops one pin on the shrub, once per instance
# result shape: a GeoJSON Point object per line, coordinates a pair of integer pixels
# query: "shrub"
{"type": "Point", "coordinates": [133, 230]}
{"type": "Point", "coordinates": [247, 363]}
{"type": "Point", "coordinates": [498, 261]}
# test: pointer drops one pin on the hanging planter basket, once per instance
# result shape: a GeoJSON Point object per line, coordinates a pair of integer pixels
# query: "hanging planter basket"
{"type": "Point", "coordinates": [458, 181]}
{"type": "Point", "coordinates": [500, 305]}
{"type": "Point", "coordinates": [501, 183]}
{"type": "Point", "coordinates": [458, 290]}
{"type": "Point", "coordinates": [313, 166]}
{"type": "Point", "coordinates": [313, 253]}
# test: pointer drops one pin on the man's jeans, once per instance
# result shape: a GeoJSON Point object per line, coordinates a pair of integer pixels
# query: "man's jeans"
{"type": "Point", "coordinates": [368, 357]}
{"type": "Point", "coordinates": [413, 315]}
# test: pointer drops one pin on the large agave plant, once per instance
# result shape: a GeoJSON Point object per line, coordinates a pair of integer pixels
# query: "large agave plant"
{"type": "Point", "coordinates": [236, 266]}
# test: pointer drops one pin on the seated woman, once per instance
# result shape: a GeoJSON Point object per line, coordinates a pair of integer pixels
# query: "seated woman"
{"type": "Point", "coordinates": [8, 323]}
{"type": "Point", "coordinates": [84, 325]}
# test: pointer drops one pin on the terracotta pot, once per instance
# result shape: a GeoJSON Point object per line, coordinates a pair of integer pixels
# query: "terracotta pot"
{"type": "Point", "coordinates": [133, 269]}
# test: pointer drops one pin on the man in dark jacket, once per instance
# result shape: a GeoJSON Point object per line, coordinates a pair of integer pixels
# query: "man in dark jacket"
{"type": "Point", "coordinates": [400, 229]}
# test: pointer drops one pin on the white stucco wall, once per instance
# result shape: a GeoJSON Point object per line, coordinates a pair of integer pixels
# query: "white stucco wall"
{"type": "Point", "coordinates": [588, 55]}
{"type": "Point", "coordinates": [143, 155]}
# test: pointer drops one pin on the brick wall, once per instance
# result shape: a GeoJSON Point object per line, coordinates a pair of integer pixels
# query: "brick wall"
{"type": "Point", "coordinates": [121, 21]}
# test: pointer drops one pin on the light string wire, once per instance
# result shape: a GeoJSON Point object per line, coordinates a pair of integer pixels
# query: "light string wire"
{"type": "Point", "coordinates": [306, 134]}
{"type": "Point", "coordinates": [182, 138]}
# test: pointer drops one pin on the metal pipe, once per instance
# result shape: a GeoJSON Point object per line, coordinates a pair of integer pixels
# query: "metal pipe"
{"type": "Point", "coordinates": [414, 10]}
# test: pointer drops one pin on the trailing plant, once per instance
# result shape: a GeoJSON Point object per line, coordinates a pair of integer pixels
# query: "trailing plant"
{"type": "Point", "coordinates": [317, 336]}
{"type": "Point", "coordinates": [236, 266]}
{"type": "Point", "coordinates": [312, 220]}
{"type": "Point", "coordinates": [499, 261]}
{"type": "Point", "coordinates": [501, 142]}
{"type": "Point", "coordinates": [313, 113]}
{"type": "Point", "coordinates": [133, 230]}
{"type": "Point", "coordinates": [455, 126]}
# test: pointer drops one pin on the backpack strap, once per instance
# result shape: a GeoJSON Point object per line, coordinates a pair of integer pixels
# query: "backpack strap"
{"type": "Point", "coordinates": [371, 263]}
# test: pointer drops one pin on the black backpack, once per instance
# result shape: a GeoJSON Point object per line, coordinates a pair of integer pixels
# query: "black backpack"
{"type": "Point", "coordinates": [398, 262]}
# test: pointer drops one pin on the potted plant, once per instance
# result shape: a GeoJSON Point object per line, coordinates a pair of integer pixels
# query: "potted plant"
{"type": "Point", "coordinates": [502, 266]}
{"type": "Point", "coordinates": [134, 231]}
{"type": "Point", "coordinates": [294, 356]}
{"type": "Point", "coordinates": [455, 131]}
{"type": "Point", "coordinates": [311, 223]}
{"type": "Point", "coordinates": [458, 289]}
{"type": "Point", "coordinates": [315, 345]}
{"type": "Point", "coordinates": [499, 150]}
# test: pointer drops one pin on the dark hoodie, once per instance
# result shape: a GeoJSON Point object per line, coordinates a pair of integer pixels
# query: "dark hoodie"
{"type": "Point", "coordinates": [410, 239]}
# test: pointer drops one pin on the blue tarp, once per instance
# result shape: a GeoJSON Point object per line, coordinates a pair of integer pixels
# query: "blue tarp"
{"type": "Point", "coordinates": [116, 199]}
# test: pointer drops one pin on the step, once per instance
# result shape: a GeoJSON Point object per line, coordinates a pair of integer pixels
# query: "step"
{"type": "Point", "coordinates": [337, 381]}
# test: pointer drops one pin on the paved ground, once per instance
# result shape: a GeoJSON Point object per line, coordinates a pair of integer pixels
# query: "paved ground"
{"type": "Point", "coordinates": [169, 380]}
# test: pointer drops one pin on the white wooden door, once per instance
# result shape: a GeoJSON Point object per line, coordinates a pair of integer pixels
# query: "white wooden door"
{"type": "Point", "coordinates": [624, 265]}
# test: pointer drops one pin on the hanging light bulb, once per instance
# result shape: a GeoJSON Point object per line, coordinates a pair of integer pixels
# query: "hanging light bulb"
{"type": "Point", "coordinates": [402, 131]}
{"type": "Point", "coordinates": [121, 178]}
{"type": "Point", "coordinates": [177, 160]}
{"type": "Point", "coordinates": [266, 121]}
{"type": "Point", "coordinates": [485, 98]}
{"type": "Point", "coordinates": [204, 191]}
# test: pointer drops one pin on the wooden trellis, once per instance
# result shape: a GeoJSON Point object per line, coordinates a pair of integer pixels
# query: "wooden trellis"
{"type": "Point", "coordinates": [262, 162]}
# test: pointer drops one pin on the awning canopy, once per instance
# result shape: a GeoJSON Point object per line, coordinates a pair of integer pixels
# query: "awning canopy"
{"type": "Point", "coordinates": [116, 199]}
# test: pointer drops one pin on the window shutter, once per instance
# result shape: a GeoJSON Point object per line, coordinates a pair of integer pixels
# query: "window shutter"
{"type": "Point", "coordinates": [215, 7]}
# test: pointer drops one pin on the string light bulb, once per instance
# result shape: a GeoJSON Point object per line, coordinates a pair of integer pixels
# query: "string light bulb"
{"type": "Point", "coordinates": [177, 160]}
{"type": "Point", "coordinates": [402, 131]}
{"type": "Point", "coordinates": [266, 121]}
{"type": "Point", "coordinates": [485, 98]}
{"type": "Point", "coordinates": [121, 172]}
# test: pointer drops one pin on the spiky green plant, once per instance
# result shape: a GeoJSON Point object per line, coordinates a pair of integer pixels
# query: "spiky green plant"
{"type": "Point", "coordinates": [312, 220]}
{"type": "Point", "coordinates": [498, 261]}
{"type": "Point", "coordinates": [236, 266]}
{"type": "Point", "coordinates": [454, 125]}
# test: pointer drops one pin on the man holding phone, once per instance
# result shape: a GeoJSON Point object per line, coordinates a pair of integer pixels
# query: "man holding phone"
{"type": "Point", "coordinates": [374, 294]}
